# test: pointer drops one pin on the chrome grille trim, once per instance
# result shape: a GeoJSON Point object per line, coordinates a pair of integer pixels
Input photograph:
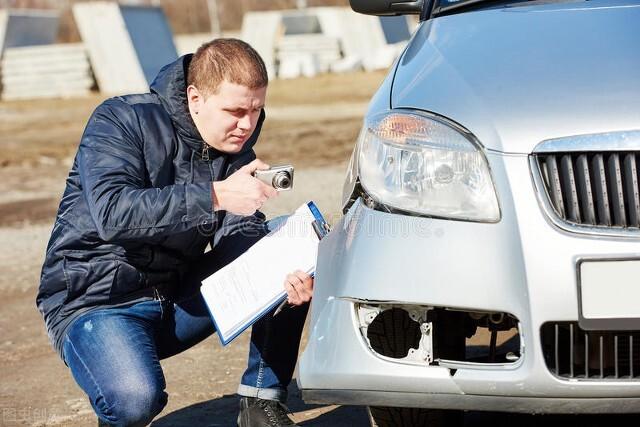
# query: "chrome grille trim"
{"type": "Point", "coordinates": [572, 353]}
{"type": "Point", "coordinates": [597, 142]}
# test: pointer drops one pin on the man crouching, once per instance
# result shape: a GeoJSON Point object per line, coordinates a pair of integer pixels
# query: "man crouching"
{"type": "Point", "coordinates": [157, 178]}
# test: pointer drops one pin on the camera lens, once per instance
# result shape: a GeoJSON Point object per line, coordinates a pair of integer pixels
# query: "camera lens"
{"type": "Point", "coordinates": [281, 180]}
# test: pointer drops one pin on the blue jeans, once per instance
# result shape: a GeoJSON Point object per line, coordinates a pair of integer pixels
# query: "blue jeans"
{"type": "Point", "coordinates": [114, 353]}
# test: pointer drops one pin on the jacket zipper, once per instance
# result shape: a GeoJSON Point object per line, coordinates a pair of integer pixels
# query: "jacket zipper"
{"type": "Point", "coordinates": [215, 217]}
{"type": "Point", "coordinates": [205, 152]}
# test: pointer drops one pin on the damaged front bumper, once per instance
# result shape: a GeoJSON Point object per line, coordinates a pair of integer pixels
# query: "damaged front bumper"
{"type": "Point", "coordinates": [376, 262]}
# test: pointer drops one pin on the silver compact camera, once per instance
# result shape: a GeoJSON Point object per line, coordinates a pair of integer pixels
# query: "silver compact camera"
{"type": "Point", "coordinates": [279, 177]}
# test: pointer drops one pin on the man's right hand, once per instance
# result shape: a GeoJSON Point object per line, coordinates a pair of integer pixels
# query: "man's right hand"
{"type": "Point", "coordinates": [241, 193]}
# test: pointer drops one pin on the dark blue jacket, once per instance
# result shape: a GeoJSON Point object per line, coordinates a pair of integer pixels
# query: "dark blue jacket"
{"type": "Point", "coordinates": [137, 210]}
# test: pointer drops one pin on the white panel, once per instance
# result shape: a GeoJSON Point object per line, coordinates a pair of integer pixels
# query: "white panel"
{"type": "Point", "coordinates": [610, 289]}
{"type": "Point", "coordinates": [323, 49]}
{"type": "Point", "coordinates": [3, 28]}
{"type": "Point", "coordinates": [48, 93]}
{"type": "Point", "coordinates": [189, 43]}
{"type": "Point", "coordinates": [346, 65]}
{"type": "Point", "coordinates": [361, 36]}
{"type": "Point", "coordinates": [262, 31]}
{"type": "Point", "coordinates": [110, 49]}
{"type": "Point", "coordinates": [45, 79]}
{"type": "Point", "coordinates": [45, 51]}
{"type": "Point", "coordinates": [304, 64]}
{"type": "Point", "coordinates": [50, 87]}
{"type": "Point", "coordinates": [67, 62]}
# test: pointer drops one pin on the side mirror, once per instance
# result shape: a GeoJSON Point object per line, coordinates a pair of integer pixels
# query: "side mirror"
{"type": "Point", "coordinates": [387, 7]}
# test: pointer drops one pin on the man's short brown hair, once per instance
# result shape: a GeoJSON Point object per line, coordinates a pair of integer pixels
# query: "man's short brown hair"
{"type": "Point", "coordinates": [226, 59]}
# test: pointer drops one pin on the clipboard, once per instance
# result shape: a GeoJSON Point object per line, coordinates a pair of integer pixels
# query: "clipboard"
{"type": "Point", "coordinates": [321, 228]}
{"type": "Point", "coordinates": [251, 286]}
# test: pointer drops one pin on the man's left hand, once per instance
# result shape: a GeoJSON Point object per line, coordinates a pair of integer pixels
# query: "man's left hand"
{"type": "Point", "coordinates": [299, 287]}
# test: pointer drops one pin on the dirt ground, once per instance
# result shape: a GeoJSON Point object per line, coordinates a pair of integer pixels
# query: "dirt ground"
{"type": "Point", "coordinates": [311, 123]}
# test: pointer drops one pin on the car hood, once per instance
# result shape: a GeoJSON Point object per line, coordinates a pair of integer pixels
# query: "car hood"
{"type": "Point", "coordinates": [517, 76]}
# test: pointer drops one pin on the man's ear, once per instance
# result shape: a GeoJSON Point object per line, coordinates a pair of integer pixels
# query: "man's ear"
{"type": "Point", "coordinates": [194, 97]}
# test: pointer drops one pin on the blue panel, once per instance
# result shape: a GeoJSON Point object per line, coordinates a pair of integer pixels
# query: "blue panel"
{"type": "Point", "coordinates": [30, 30]}
{"type": "Point", "coordinates": [301, 24]}
{"type": "Point", "coordinates": [395, 28]}
{"type": "Point", "coordinates": [152, 38]}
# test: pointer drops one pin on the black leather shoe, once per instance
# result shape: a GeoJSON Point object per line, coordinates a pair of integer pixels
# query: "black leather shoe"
{"type": "Point", "coordinates": [262, 413]}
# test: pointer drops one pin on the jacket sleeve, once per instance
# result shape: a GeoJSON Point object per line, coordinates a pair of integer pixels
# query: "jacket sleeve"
{"type": "Point", "coordinates": [250, 226]}
{"type": "Point", "coordinates": [113, 178]}
{"type": "Point", "coordinates": [236, 225]}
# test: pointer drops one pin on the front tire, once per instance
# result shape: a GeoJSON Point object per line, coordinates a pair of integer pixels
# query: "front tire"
{"type": "Point", "coordinates": [393, 336]}
{"type": "Point", "coordinates": [383, 416]}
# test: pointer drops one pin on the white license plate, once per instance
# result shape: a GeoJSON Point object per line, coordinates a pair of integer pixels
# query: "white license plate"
{"type": "Point", "coordinates": [610, 289]}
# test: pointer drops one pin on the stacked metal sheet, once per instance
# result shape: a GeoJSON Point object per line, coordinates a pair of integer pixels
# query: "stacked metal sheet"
{"type": "Point", "coordinates": [305, 42]}
{"type": "Point", "coordinates": [306, 54]}
{"type": "Point", "coordinates": [127, 45]}
{"type": "Point", "coordinates": [27, 27]}
{"type": "Point", "coordinates": [47, 71]}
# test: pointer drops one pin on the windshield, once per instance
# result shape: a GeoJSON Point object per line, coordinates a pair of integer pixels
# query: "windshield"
{"type": "Point", "coordinates": [447, 7]}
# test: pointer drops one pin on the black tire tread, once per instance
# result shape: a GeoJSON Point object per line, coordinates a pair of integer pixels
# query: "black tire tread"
{"type": "Point", "coordinates": [393, 333]}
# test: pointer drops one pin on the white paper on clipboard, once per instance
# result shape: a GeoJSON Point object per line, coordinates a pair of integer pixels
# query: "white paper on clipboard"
{"type": "Point", "coordinates": [240, 293]}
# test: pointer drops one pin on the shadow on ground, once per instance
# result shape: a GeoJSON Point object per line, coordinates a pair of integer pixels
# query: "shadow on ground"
{"type": "Point", "coordinates": [223, 411]}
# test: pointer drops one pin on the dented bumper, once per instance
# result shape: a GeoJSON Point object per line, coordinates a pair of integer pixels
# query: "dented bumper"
{"type": "Point", "coordinates": [374, 258]}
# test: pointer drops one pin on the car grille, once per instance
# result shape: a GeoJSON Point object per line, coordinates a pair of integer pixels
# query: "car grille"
{"type": "Point", "coordinates": [595, 189]}
{"type": "Point", "coordinates": [573, 353]}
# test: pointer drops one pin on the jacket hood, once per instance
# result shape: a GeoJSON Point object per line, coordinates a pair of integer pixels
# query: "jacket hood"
{"type": "Point", "coordinates": [517, 76]}
{"type": "Point", "coordinates": [170, 85]}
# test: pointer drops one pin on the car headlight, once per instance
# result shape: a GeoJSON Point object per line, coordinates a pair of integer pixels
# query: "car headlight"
{"type": "Point", "coordinates": [419, 163]}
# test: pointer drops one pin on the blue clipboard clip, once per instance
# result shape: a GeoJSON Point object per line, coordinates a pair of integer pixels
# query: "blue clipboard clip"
{"type": "Point", "coordinates": [321, 228]}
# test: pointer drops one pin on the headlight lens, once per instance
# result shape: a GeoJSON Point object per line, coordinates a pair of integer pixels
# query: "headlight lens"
{"type": "Point", "coordinates": [418, 163]}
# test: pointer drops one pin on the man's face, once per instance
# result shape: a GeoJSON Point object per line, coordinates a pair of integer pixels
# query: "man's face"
{"type": "Point", "coordinates": [227, 118]}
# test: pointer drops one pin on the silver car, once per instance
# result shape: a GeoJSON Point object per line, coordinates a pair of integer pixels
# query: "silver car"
{"type": "Point", "coordinates": [489, 253]}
